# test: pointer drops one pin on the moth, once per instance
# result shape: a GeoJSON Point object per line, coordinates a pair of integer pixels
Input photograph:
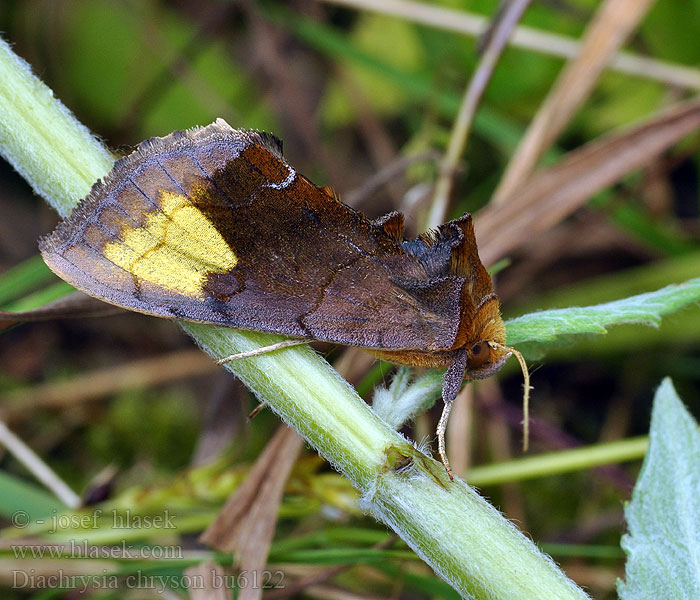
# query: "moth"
{"type": "Point", "coordinates": [213, 225]}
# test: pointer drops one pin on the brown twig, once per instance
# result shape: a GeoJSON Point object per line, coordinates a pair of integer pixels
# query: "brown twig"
{"type": "Point", "coordinates": [498, 38]}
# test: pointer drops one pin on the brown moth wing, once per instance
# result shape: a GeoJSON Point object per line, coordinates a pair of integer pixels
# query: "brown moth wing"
{"type": "Point", "coordinates": [213, 225]}
{"type": "Point", "coordinates": [452, 250]}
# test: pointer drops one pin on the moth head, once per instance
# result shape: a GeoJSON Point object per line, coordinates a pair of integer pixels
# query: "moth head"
{"type": "Point", "coordinates": [485, 358]}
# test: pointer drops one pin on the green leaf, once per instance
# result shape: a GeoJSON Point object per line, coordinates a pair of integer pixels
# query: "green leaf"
{"type": "Point", "coordinates": [23, 503]}
{"type": "Point", "coordinates": [550, 326]}
{"type": "Point", "coordinates": [24, 278]}
{"type": "Point", "coordinates": [663, 543]}
{"type": "Point", "coordinates": [41, 297]}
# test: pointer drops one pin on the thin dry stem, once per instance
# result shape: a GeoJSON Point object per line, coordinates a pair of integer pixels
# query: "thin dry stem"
{"type": "Point", "coordinates": [472, 96]}
{"type": "Point", "coordinates": [458, 435]}
{"type": "Point", "coordinates": [528, 38]}
{"type": "Point", "coordinates": [103, 382]}
{"type": "Point", "coordinates": [614, 21]}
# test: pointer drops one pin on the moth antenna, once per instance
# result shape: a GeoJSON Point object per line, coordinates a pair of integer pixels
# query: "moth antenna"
{"type": "Point", "coordinates": [526, 390]}
{"type": "Point", "coordinates": [261, 350]}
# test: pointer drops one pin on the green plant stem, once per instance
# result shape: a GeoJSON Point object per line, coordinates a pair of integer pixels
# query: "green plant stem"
{"type": "Point", "coordinates": [453, 529]}
{"type": "Point", "coordinates": [70, 159]}
{"type": "Point", "coordinates": [563, 461]}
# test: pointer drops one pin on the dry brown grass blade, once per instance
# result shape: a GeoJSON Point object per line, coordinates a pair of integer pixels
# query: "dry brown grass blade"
{"type": "Point", "coordinates": [246, 523]}
{"type": "Point", "coordinates": [74, 305]}
{"type": "Point", "coordinates": [553, 193]}
{"type": "Point", "coordinates": [100, 383]}
{"type": "Point", "coordinates": [209, 574]}
{"type": "Point", "coordinates": [608, 30]}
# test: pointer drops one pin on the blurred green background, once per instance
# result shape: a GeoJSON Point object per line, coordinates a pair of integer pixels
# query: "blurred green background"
{"type": "Point", "coordinates": [350, 93]}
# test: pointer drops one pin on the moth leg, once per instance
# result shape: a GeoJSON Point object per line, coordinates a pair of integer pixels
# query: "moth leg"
{"type": "Point", "coordinates": [262, 350]}
{"type": "Point", "coordinates": [451, 382]}
{"type": "Point", "coordinates": [254, 413]}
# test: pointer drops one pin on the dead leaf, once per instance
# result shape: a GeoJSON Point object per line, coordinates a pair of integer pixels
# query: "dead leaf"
{"type": "Point", "coordinates": [553, 193]}
{"type": "Point", "coordinates": [209, 574]}
{"type": "Point", "coordinates": [246, 524]}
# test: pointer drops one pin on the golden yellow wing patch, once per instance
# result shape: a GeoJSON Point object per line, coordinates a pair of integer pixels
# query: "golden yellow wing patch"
{"type": "Point", "coordinates": [177, 247]}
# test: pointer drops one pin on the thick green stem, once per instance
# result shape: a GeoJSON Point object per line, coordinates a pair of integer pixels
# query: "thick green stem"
{"type": "Point", "coordinates": [462, 537]}
{"type": "Point", "coordinates": [51, 149]}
